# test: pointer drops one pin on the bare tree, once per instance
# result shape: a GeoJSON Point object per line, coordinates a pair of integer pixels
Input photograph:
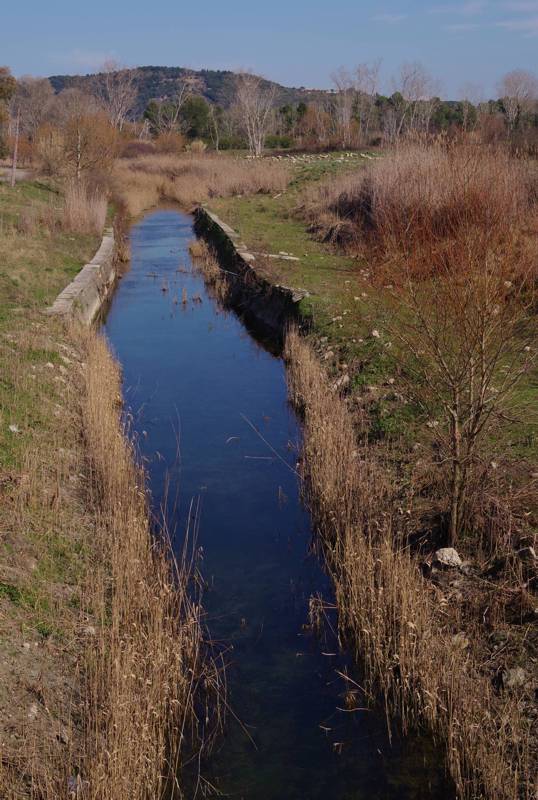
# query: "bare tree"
{"type": "Point", "coordinates": [518, 90]}
{"type": "Point", "coordinates": [33, 100]}
{"type": "Point", "coordinates": [116, 89]}
{"type": "Point", "coordinates": [15, 149]}
{"type": "Point", "coordinates": [466, 354]}
{"type": "Point", "coordinates": [214, 125]}
{"type": "Point", "coordinates": [255, 98]}
{"type": "Point", "coordinates": [345, 101]}
{"type": "Point", "coordinates": [472, 94]}
{"type": "Point", "coordinates": [71, 103]}
{"type": "Point", "coordinates": [366, 81]}
{"type": "Point", "coordinates": [415, 89]}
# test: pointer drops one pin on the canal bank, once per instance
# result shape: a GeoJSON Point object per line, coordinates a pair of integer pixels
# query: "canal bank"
{"type": "Point", "coordinates": [209, 411]}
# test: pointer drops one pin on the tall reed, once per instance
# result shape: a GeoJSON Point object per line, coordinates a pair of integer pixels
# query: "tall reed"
{"type": "Point", "coordinates": [421, 194]}
{"type": "Point", "coordinates": [192, 178]}
{"type": "Point", "coordinates": [401, 629]}
{"type": "Point", "coordinates": [84, 210]}
{"type": "Point", "coordinates": [145, 668]}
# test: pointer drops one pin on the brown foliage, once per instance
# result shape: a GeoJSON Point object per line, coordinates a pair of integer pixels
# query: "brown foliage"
{"type": "Point", "coordinates": [83, 144]}
{"type": "Point", "coordinates": [424, 196]}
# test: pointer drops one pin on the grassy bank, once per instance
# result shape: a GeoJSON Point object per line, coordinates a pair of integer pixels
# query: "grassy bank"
{"type": "Point", "coordinates": [449, 648]}
{"type": "Point", "coordinates": [96, 693]}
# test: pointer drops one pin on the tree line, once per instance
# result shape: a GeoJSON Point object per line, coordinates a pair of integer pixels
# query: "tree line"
{"type": "Point", "coordinates": [79, 128]}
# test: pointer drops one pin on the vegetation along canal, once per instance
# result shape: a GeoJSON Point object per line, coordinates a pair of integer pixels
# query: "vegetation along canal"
{"type": "Point", "coordinates": [198, 384]}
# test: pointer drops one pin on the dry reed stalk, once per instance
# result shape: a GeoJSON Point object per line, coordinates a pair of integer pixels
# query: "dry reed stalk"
{"type": "Point", "coordinates": [192, 178]}
{"type": "Point", "coordinates": [84, 211]}
{"type": "Point", "coordinates": [206, 262]}
{"type": "Point", "coordinates": [421, 194]}
{"type": "Point", "coordinates": [145, 665]}
{"type": "Point", "coordinates": [401, 631]}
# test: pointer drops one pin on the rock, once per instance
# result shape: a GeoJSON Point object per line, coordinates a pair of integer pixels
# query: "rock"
{"type": "Point", "coordinates": [32, 713]}
{"type": "Point", "coordinates": [447, 557]}
{"type": "Point", "coordinates": [341, 382]}
{"type": "Point", "coordinates": [514, 678]}
{"type": "Point", "coordinates": [375, 334]}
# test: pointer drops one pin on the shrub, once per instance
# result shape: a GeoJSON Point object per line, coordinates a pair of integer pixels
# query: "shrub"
{"type": "Point", "coordinates": [170, 143]}
{"type": "Point", "coordinates": [423, 196]}
{"type": "Point", "coordinates": [197, 146]}
{"type": "Point", "coordinates": [136, 148]}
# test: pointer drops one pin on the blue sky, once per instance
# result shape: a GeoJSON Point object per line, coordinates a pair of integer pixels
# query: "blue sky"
{"type": "Point", "coordinates": [295, 42]}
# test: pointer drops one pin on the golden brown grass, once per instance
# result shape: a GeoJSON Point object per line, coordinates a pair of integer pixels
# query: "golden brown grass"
{"type": "Point", "coordinates": [401, 629]}
{"type": "Point", "coordinates": [126, 691]}
{"type": "Point", "coordinates": [192, 178]}
{"type": "Point", "coordinates": [146, 664]}
{"type": "Point", "coordinates": [206, 262]}
{"type": "Point", "coordinates": [422, 194]}
{"type": "Point", "coordinates": [84, 210]}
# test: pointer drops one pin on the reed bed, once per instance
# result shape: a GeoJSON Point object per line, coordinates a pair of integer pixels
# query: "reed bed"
{"type": "Point", "coordinates": [421, 195]}
{"type": "Point", "coordinates": [192, 178]}
{"type": "Point", "coordinates": [206, 262]}
{"type": "Point", "coordinates": [402, 630]}
{"type": "Point", "coordinates": [84, 210]}
{"type": "Point", "coordinates": [146, 668]}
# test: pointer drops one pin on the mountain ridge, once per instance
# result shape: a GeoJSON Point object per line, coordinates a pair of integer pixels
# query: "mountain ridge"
{"type": "Point", "coordinates": [161, 83]}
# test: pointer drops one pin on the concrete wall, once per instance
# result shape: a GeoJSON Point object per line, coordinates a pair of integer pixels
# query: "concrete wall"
{"type": "Point", "coordinates": [83, 298]}
{"type": "Point", "coordinates": [266, 306]}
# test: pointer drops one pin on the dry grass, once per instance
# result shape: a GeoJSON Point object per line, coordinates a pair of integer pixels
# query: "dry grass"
{"type": "Point", "coordinates": [421, 195]}
{"type": "Point", "coordinates": [146, 664]}
{"type": "Point", "coordinates": [401, 628]}
{"type": "Point", "coordinates": [192, 178]}
{"type": "Point", "coordinates": [206, 262]}
{"type": "Point", "coordinates": [126, 690]}
{"type": "Point", "coordinates": [84, 210]}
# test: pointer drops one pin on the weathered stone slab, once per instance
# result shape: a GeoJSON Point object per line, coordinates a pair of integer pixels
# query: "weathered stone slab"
{"type": "Point", "coordinates": [83, 298]}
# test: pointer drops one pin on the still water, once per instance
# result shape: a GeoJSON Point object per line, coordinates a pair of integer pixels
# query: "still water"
{"type": "Point", "coordinates": [212, 421]}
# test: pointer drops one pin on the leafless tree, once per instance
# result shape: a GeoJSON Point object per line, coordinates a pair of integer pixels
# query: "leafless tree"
{"type": "Point", "coordinates": [472, 94]}
{"type": "Point", "coordinates": [214, 125]}
{"type": "Point", "coordinates": [255, 99]}
{"type": "Point", "coordinates": [168, 117]}
{"type": "Point", "coordinates": [345, 100]}
{"type": "Point", "coordinates": [116, 89]}
{"type": "Point", "coordinates": [366, 81]}
{"type": "Point", "coordinates": [416, 88]}
{"type": "Point", "coordinates": [33, 100]}
{"type": "Point", "coordinates": [71, 103]}
{"type": "Point", "coordinates": [466, 355]}
{"type": "Point", "coordinates": [518, 90]}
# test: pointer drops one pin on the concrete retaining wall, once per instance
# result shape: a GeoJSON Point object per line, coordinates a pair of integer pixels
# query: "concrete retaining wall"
{"type": "Point", "coordinates": [268, 307]}
{"type": "Point", "coordinates": [83, 298]}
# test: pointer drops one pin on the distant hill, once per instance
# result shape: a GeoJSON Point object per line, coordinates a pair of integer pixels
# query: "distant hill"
{"type": "Point", "coordinates": [159, 83]}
